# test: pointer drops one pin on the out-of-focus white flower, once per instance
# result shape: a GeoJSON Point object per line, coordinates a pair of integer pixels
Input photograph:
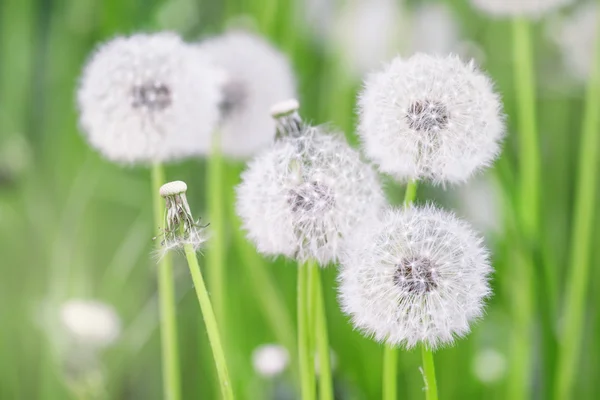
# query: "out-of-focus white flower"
{"type": "Point", "coordinates": [419, 275]}
{"type": "Point", "coordinates": [367, 33]}
{"type": "Point", "coordinates": [303, 196]}
{"type": "Point", "coordinates": [270, 360]}
{"type": "Point", "coordinates": [477, 202]}
{"type": "Point", "coordinates": [91, 324]}
{"type": "Point", "coordinates": [180, 227]}
{"type": "Point", "coordinates": [517, 8]}
{"type": "Point", "coordinates": [318, 16]}
{"type": "Point", "coordinates": [430, 118]}
{"type": "Point", "coordinates": [147, 98]}
{"type": "Point", "coordinates": [258, 76]}
{"type": "Point", "coordinates": [489, 365]}
{"type": "Point", "coordinates": [576, 36]}
{"type": "Point", "coordinates": [434, 30]}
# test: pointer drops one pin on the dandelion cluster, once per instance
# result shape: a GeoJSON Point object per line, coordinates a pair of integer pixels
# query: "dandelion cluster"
{"type": "Point", "coordinates": [257, 76]}
{"type": "Point", "coordinates": [180, 227]}
{"type": "Point", "coordinates": [516, 8]}
{"type": "Point", "coordinates": [430, 118]}
{"type": "Point", "coordinates": [418, 275]}
{"type": "Point", "coordinates": [304, 195]}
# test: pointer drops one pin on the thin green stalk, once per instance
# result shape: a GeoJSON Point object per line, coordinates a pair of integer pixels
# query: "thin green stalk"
{"type": "Point", "coordinates": [390, 354]}
{"type": "Point", "coordinates": [431, 392]}
{"type": "Point", "coordinates": [321, 334]}
{"type": "Point", "coordinates": [390, 373]}
{"type": "Point", "coordinates": [210, 322]}
{"type": "Point", "coordinates": [166, 294]}
{"type": "Point", "coordinates": [307, 384]}
{"type": "Point", "coordinates": [581, 239]}
{"type": "Point", "coordinates": [215, 254]}
{"type": "Point", "coordinates": [529, 145]}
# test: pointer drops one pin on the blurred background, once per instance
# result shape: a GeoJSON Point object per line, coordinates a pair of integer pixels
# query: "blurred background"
{"type": "Point", "coordinates": [74, 226]}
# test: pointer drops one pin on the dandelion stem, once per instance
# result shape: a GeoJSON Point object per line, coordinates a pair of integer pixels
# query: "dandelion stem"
{"type": "Point", "coordinates": [390, 354]}
{"type": "Point", "coordinates": [583, 224]}
{"type": "Point", "coordinates": [429, 373]}
{"type": "Point", "coordinates": [166, 294]}
{"type": "Point", "coordinates": [307, 384]}
{"type": "Point", "coordinates": [210, 321]}
{"type": "Point", "coordinates": [322, 341]}
{"type": "Point", "coordinates": [215, 254]}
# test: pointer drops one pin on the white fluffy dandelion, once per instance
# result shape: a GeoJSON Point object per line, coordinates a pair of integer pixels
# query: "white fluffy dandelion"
{"type": "Point", "coordinates": [576, 36]}
{"type": "Point", "coordinates": [258, 76]}
{"type": "Point", "coordinates": [270, 360]}
{"type": "Point", "coordinates": [147, 98]}
{"type": "Point", "coordinates": [307, 193]}
{"type": "Point", "coordinates": [367, 32]}
{"type": "Point", "coordinates": [518, 8]}
{"type": "Point", "coordinates": [90, 324]}
{"type": "Point", "coordinates": [430, 118]}
{"type": "Point", "coordinates": [180, 227]}
{"type": "Point", "coordinates": [419, 275]}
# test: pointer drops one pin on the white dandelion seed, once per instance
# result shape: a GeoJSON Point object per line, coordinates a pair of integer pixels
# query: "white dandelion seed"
{"type": "Point", "coordinates": [180, 227]}
{"type": "Point", "coordinates": [258, 76]}
{"type": "Point", "coordinates": [519, 8]}
{"type": "Point", "coordinates": [489, 365]}
{"type": "Point", "coordinates": [367, 32]}
{"type": "Point", "coordinates": [576, 37]}
{"type": "Point", "coordinates": [430, 118]}
{"type": "Point", "coordinates": [419, 275]}
{"type": "Point", "coordinates": [307, 193]}
{"type": "Point", "coordinates": [147, 98]}
{"type": "Point", "coordinates": [270, 360]}
{"type": "Point", "coordinates": [90, 324]}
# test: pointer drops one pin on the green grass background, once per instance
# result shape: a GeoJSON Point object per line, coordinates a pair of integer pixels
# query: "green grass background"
{"type": "Point", "coordinates": [75, 225]}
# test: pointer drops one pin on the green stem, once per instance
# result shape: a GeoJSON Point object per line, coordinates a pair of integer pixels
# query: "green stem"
{"type": "Point", "coordinates": [215, 254]}
{"type": "Point", "coordinates": [307, 385]}
{"type": "Point", "coordinates": [390, 354]}
{"type": "Point", "coordinates": [431, 392]}
{"type": "Point", "coordinates": [210, 322]}
{"type": "Point", "coordinates": [583, 225]}
{"type": "Point", "coordinates": [166, 294]}
{"type": "Point", "coordinates": [321, 334]}
{"type": "Point", "coordinates": [390, 373]}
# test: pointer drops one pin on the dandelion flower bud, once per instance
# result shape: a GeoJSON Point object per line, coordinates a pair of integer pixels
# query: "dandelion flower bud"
{"type": "Point", "coordinates": [258, 76]}
{"type": "Point", "coordinates": [180, 227]}
{"type": "Point", "coordinates": [418, 275]}
{"type": "Point", "coordinates": [147, 98]}
{"type": "Point", "coordinates": [430, 118]}
{"type": "Point", "coordinates": [576, 37]}
{"type": "Point", "coordinates": [91, 324]}
{"type": "Point", "coordinates": [302, 197]}
{"type": "Point", "coordinates": [270, 360]}
{"type": "Point", "coordinates": [519, 8]}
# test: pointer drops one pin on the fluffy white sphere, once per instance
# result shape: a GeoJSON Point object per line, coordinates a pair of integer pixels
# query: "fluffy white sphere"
{"type": "Point", "coordinates": [576, 37]}
{"type": "Point", "coordinates": [435, 30]}
{"type": "Point", "coordinates": [258, 76]}
{"type": "Point", "coordinates": [430, 118]}
{"type": "Point", "coordinates": [419, 275]}
{"type": "Point", "coordinates": [303, 196]}
{"type": "Point", "coordinates": [517, 8]}
{"type": "Point", "coordinates": [489, 366]}
{"type": "Point", "coordinates": [90, 323]}
{"type": "Point", "coordinates": [147, 98]}
{"type": "Point", "coordinates": [270, 360]}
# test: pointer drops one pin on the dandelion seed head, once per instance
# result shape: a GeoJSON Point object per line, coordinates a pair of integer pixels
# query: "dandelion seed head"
{"type": "Point", "coordinates": [91, 324]}
{"type": "Point", "coordinates": [270, 360]}
{"type": "Point", "coordinates": [576, 37]}
{"type": "Point", "coordinates": [430, 118]}
{"type": "Point", "coordinates": [258, 75]}
{"type": "Point", "coordinates": [417, 275]}
{"type": "Point", "coordinates": [147, 98]}
{"type": "Point", "coordinates": [519, 8]}
{"type": "Point", "coordinates": [302, 197]}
